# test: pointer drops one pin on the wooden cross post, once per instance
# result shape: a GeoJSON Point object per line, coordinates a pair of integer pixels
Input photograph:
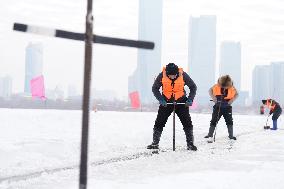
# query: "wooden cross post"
{"type": "Point", "coordinates": [86, 97]}
{"type": "Point", "coordinates": [89, 39]}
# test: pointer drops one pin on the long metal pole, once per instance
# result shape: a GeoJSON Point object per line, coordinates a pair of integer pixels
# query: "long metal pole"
{"type": "Point", "coordinates": [266, 127]}
{"type": "Point", "coordinates": [174, 127]}
{"type": "Point", "coordinates": [174, 121]}
{"type": "Point", "coordinates": [86, 96]}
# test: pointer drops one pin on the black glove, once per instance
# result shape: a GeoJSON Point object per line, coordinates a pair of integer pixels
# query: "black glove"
{"type": "Point", "coordinates": [163, 102]}
{"type": "Point", "coordinates": [188, 103]}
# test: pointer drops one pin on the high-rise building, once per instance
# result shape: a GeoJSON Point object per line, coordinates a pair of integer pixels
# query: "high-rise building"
{"type": "Point", "coordinates": [242, 98]}
{"type": "Point", "coordinates": [34, 63]}
{"type": "Point", "coordinates": [277, 81]}
{"type": "Point", "coordinates": [202, 55]}
{"type": "Point", "coordinates": [5, 87]}
{"type": "Point", "coordinates": [261, 83]}
{"type": "Point", "coordinates": [230, 61]}
{"type": "Point", "coordinates": [268, 82]}
{"type": "Point", "coordinates": [148, 61]}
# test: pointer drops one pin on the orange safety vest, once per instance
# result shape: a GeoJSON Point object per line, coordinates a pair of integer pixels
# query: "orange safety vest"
{"type": "Point", "coordinates": [176, 90]}
{"type": "Point", "coordinates": [269, 104]}
{"type": "Point", "coordinates": [231, 92]}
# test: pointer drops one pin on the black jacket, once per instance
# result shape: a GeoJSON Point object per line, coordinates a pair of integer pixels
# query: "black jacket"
{"type": "Point", "coordinates": [277, 107]}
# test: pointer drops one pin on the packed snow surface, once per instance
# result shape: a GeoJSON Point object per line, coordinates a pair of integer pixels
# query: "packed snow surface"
{"type": "Point", "coordinates": [40, 149]}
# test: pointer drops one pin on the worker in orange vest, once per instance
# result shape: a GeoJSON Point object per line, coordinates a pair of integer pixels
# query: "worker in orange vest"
{"type": "Point", "coordinates": [172, 80]}
{"type": "Point", "coordinates": [275, 109]}
{"type": "Point", "coordinates": [223, 94]}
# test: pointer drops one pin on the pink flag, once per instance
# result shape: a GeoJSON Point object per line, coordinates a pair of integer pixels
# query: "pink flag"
{"type": "Point", "coordinates": [37, 87]}
{"type": "Point", "coordinates": [135, 101]}
{"type": "Point", "coordinates": [194, 105]}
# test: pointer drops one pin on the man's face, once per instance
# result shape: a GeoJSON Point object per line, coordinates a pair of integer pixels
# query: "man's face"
{"type": "Point", "coordinates": [172, 76]}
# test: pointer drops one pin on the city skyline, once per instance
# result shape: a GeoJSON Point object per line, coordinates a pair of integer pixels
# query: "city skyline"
{"type": "Point", "coordinates": [259, 29]}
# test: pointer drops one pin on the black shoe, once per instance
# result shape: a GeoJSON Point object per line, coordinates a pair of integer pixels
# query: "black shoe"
{"type": "Point", "coordinates": [207, 136]}
{"type": "Point", "coordinates": [153, 146]}
{"type": "Point", "coordinates": [190, 146]}
{"type": "Point", "coordinates": [232, 138]}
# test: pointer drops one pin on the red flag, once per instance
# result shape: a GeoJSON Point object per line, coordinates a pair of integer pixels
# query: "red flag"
{"type": "Point", "coordinates": [135, 101]}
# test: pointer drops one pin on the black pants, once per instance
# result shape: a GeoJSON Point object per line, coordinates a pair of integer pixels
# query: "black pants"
{"type": "Point", "coordinates": [226, 112]}
{"type": "Point", "coordinates": [183, 114]}
{"type": "Point", "coordinates": [276, 113]}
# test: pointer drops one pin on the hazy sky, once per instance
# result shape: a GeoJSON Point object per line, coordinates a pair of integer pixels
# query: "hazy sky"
{"type": "Point", "coordinates": [257, 24]}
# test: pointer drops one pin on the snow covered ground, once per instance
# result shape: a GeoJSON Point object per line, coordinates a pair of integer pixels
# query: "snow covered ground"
{"type": "Point", "coordinates": [39, 149]}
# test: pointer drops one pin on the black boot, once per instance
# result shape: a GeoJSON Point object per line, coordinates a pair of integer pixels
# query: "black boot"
{"type": "Point", "coordinates": [190, 146]}
{"type": "Point", "coordinates": [230, 131]}
{"type": "Point", "coordinates": [156, 140]}
{"type": "Point", "coordinates": [211, 131]}
{"type": "Point", "coordinates": [189, 138]}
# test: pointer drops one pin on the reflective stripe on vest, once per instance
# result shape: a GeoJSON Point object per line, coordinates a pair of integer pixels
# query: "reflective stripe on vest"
{"type": "Point", "coordinates": [217, 92]}
{"type": "Point", "coordinates": [176, 90]}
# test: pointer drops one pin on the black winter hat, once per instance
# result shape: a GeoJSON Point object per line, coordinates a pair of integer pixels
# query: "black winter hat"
{"type": "Point", "coordinates": [171, 69]}
{"type": "Point", "coordinates": [264, 101]}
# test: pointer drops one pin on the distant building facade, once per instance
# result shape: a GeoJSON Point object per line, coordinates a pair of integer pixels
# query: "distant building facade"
{"type": "Point", "coordinates": [202, 55]}
{"type": "Point", "coordinates": [5, 87]}
{"type": "Point", "coordinates": [260, 83]}
{"type": "Point", "coordinates": [230, 61]}
{"type": "Point", "coordinates": [268, 82]}
{"type": "Point", "coordinates": [148, 61]}
{"type": "Point", "coordinates": [34, 64]}
{"type": "Point", "coordinates": [277, 81]}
